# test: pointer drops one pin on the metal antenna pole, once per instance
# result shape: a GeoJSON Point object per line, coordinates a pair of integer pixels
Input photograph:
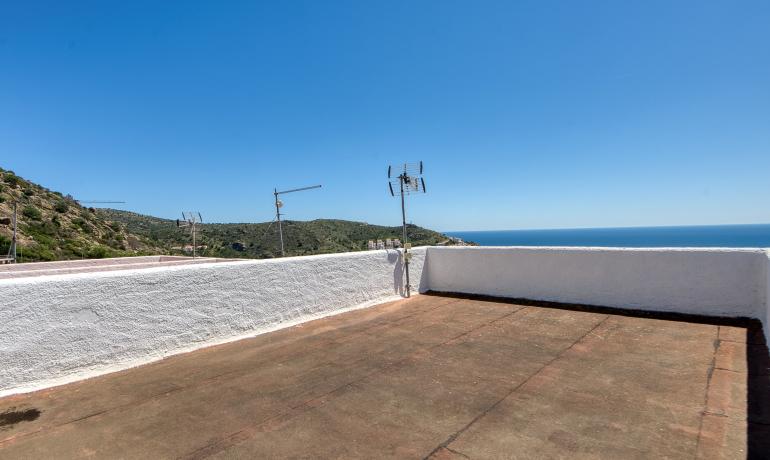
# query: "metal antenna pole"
{"type": "Point", "coordinates": [189, 220]}
{"type": "Point", "coordinates": [193, 235]}
{"type": "Point", "coordinates": [409, 181]}
{"type": "Point", "coordinates": [13, 239]}
{"type": "Point", "coordinates": [402, 179]}
{"type": "Point", "coordinates": [278, 205]}
{"type": "Point", "coordinates": [278, 217]}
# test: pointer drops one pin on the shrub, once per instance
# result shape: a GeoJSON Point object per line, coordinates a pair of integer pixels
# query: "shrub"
{"type": "Point", "coordinates": [45, 242]}
{"type": "Point", "coordinates": [61, 207]}
{"type": "Point", "coordinates": [98, 252]}
{"type": "Point", "coordinates": [2, 199]}
{"type": "Point", "coordinates": [36, 229]}
{"type": "Point", "coordinates": [32, 212]}
{"type": "Point", "coordinates": [36, 252]}
{"type": "Point", "coordinates": [11, 179]}
{"type": "Point", "coordinates": [29, 192]}
{"type": "Point", "coordinates": [73, 247]}
{"type": "Point", "coordinates": [82, 224]}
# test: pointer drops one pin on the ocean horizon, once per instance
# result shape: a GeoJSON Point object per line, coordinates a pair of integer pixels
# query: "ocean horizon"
{"type": "Point", "coordinates": [727, 236]}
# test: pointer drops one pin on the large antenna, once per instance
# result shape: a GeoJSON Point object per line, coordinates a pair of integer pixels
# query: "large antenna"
{"type": "Point", "coordinates": [190, 219]}
{"type": "Point", "coordinates": [279, 205]}
{"type": "Point", "coordinates": [408, 181]}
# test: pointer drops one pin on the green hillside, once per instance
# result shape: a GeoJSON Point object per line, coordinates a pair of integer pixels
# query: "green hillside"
{"type": "Point", "coordinates": [260, 240]}
{"type": "Point", "coordinates": [53, 226]}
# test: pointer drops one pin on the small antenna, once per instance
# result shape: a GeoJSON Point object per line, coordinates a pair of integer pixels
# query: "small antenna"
{"type": "Point", "coordinates": [279, 205]}
{"type": "Point", "coordinates": [13, 221]}
{"type": "Point", "coordinates": [409, 181]}
{"type": "Point", "coordinates": [11, 256]}
{"type": "Point", "coordinates": [190, 219]}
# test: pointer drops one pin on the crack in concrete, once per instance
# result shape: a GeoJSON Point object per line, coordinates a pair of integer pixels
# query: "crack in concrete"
{"type": "Point", "coordinates": [462, 430]}
{"type": "Point", "coordinates": [709, 376]}
{"type": "Point", "coordinates": [456, 452]}
{"type": "Point", "coordinates": [249, 432]}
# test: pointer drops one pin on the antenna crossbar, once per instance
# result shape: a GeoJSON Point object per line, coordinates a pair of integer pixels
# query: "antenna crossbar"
{"type": "Point", "coordinates": [298, 189]}
{"type": "Point", "coordinates": [191, 220]}
{"type": "Point", "coordinates": [279, 205]}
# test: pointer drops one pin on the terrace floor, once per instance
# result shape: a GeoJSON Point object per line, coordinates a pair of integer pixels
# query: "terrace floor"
{"type": "Point", "coordinates": [429, 377]}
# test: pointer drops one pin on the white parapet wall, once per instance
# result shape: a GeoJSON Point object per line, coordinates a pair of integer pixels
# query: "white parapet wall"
{"type": "Point", "coordinates": [60, 328]}
{"type": "Point", "coordinates": [63, 327]}
{"type": "Point", "coordinates": [715, 282]}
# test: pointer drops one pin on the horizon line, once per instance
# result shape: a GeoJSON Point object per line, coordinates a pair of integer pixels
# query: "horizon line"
{"type": "Point", "coordinates": [601, 228]}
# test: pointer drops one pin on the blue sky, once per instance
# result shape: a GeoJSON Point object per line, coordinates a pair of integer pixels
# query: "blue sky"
{"type": "Point", "coordinates": [527, 114]}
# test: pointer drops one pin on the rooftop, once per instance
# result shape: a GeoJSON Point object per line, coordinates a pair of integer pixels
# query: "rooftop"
{"type": "Point", "coordinates": [430, 376]}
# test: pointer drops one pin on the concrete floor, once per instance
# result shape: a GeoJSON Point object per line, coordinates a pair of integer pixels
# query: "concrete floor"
{"type": "Point", "coordinates": [432, 376]}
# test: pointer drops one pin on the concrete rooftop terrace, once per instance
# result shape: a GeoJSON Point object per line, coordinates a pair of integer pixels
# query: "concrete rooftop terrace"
{"type": "Point", "coordinates": [428, 377]}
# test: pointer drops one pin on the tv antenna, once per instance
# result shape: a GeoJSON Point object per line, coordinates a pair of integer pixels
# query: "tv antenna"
{"type": "Point", "coordinates": [99, 202]}
{"type": "Point", "coordinates": [279, 205]}
{"type": "Point", "coordinates": [408, 181]}
{"type": "Point", "coordinates": [13, 221]}
{"type": "Point", "coordinates": [190, 219]}
{"type": "Point", "coordinates": [11, 256]}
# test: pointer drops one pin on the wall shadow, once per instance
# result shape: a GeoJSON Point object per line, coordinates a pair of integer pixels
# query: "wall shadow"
{"type": "Point", "coordinates": [669, 316]}
{"type": "Point", "coordinates": [395, 257]}
{"type": "Point", "coordinates": [399, 276]}
{"type": "Point", "coordinates": [758, 389]}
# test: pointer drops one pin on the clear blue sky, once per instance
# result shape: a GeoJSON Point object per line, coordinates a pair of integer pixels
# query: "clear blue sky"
{"type": "Point", "coordinates": [527, 114]}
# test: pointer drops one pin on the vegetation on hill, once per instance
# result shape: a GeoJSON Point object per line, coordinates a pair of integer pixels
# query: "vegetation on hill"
{"type": "Point", "coordinates": [53, 226]}
{"type": "Point", "coordinates": [261, 240]}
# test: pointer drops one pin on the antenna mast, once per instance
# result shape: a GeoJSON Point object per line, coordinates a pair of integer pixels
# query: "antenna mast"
{"type": "Point", "coordinates": [190, 219]}
{"type": "Point", "coordinates": [279, 205]}
{"type": "Point", "coordinates": [12, 249]}
{"type": "Point", "coordinates": [10, 257]}
{"type": "Point", "coordinates": [409, 181]}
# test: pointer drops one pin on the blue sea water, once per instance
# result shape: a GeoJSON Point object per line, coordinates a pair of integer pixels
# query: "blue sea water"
{"type": "Point", "coordinates": [738, 236]}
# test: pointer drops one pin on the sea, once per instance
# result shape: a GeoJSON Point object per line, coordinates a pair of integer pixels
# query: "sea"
{"type": "Point", "coordinates": [705, 236]}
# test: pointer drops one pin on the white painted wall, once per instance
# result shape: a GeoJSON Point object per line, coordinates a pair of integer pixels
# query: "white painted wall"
{"type": "Point", "coordinates": [720, 282]}
{"type": "Point", "coordinates": [60, 328]}
{"type": "Point", "coordinates": [55, 329]}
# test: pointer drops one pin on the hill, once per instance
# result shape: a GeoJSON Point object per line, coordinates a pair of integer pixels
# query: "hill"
{"type": "Point", "coordinates": [53, 226]}
{"type": "Point", "coordinates": [260, 240]}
